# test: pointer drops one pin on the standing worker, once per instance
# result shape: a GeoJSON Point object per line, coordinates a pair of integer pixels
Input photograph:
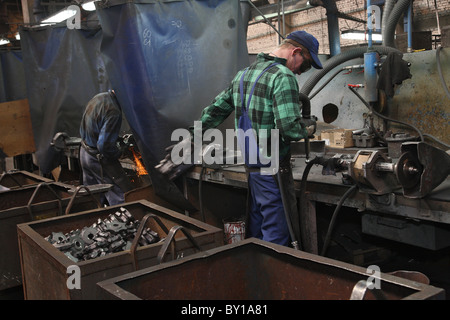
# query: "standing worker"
{"type": "Point", "coordinates": [99, 155]}
{"type": "Point", "coordinates": [269, 93]}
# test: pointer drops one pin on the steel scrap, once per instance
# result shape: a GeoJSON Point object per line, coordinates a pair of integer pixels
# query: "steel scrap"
{"type": "Point", "coordinates": [112, 234]}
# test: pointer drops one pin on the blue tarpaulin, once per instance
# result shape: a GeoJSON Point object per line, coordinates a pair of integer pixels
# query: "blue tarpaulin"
{"type": "Point", "coordinates": [167, 60]}
{"type": "Point", "coordinates": [64, 70]}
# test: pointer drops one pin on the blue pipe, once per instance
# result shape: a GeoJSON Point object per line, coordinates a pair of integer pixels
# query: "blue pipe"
{"type": "Point", "coordinates": [370, 76]}
{"type": "Point", "coordinates": [370, 59]}
{"type": "Point", "coordinates": [369, 15]}
{"type": "Point", "coordinates": [409, 26]}
{"type": "Point", "coordinates": [333, 33]}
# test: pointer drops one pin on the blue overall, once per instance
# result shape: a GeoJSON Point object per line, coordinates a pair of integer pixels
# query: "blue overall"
{"type": "Point", "coordinates": [91, 176]}
{"type": "Point", "coordinates": [266, 218]}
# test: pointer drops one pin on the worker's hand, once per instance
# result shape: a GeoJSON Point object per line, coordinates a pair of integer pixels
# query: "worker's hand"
{"type": "Point", "coordinates": [165, 166]}
{"type": "Point", "coordinates": [310, 125]}
{"type": "Point", "coordinates": [311, 130]}
{"type": "Point", "coordinates": [178, 156]}
{"type": "Point", "coordinates": [121, 146]}
{"type": "Point", "coordinates": [181, 152]}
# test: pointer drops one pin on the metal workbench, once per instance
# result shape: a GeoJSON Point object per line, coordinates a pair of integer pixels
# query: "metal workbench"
{"type": "Point", "coordinates": [433, 209]}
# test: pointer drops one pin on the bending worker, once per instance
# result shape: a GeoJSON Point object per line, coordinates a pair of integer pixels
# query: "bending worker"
{"type": "Point", "coordinates": [266, 96]}
{"type": "Point", "coordinates": [99, 155]}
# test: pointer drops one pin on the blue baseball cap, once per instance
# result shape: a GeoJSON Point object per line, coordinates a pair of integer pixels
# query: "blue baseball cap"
{"type": "Point", "coordinates": [310, 43]}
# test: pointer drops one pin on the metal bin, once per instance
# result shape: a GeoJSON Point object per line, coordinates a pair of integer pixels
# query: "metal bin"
{"type": "Point", "coordinates": [18, 179]}
{"type": "Point", "coordinates": [257, 270]}
{"type": "Point", "coordinates": [45, 268]}
{"type": "Point", "coordinates": [47, 199]}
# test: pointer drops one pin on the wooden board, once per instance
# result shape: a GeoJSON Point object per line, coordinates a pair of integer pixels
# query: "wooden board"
{"type": "Point", "coordinates": [16, 133]}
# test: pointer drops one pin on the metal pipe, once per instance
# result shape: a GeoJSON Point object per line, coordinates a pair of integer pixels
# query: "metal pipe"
{"type": "Point", "coordinates": [334, 34]}
{"type": "Point", "coordinates": [409, 26]}
{"type": "Point", "coordinates": [333, 62]}
{"type": "Point", "coordinates": [279, 21]}
{"type": "Point", "coordinates": [385, 166]}
{"type": "Point", "coordinates": [437, 17]}
{"type": "Point", "coordinates": [369, 15]}
{"type": "Point", "coordinates": [370, 75]}
{"type": "Point", "coordinates": [333, 26]}
{"type": "Point", "coordinates": [265, 19]}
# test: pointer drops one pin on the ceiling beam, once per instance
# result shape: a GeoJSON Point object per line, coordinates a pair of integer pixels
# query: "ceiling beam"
{"type": "Point", "coordinates": [272, 8]}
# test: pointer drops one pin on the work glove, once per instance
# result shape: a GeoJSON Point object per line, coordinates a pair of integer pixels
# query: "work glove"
{"type": "Point", "coordinates": [310, 125]}
{"type": "Point", "coordinates": [121, 146]}
{"type": "Point", "coordinates": [178, 158]}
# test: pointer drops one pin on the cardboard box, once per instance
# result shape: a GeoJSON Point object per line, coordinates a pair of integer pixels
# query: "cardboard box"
{"type": "Point", "coordinates": [338, 138]}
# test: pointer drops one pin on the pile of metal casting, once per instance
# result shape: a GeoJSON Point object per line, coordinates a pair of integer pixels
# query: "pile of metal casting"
{"type": "Point", "coordinates": [112, 234]}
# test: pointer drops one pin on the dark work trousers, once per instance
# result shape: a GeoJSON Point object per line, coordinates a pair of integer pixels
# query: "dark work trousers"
{"type": "Point", "coordinates": [92, 174]}
{"type": "Point", "coordinates": [266, 216]}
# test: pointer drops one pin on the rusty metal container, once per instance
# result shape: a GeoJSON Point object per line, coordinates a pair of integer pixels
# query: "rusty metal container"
{"type": "Point", "coordinates": [45, 268]}
{"type": "Point", "coordinates": [256, 270]}
{"type": "Point", "coordinates": [18, 179]}
{"type": "Point", "coordinates": [34, 202]}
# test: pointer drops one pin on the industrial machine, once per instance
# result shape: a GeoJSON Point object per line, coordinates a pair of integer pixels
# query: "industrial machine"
{"type": "Point", "coordinates": [131, 159]}
{"type": "Point", "coordinates": [419, 169]}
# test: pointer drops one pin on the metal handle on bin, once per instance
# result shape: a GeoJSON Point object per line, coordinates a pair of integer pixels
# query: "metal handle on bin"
{"type": "Point", "coordinates": [360, 289]}
{"type": "Point", "coordinates": [34, 195]}
{"type": "Point", "coordinates": [69, 206]}
{"type": "Point", "coordinates": [4, 174]}
{"type": "Point", "coordinates": [168, 241]}
{"type": "Point", "coordinates": [135, 242]}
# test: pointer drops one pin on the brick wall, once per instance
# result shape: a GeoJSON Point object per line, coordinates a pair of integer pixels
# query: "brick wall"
{"type": "Point", "coordinates": [262, 38]}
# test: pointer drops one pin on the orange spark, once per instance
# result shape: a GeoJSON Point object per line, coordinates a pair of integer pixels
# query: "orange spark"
{"type": "Point", "coordinates": [140, 169]}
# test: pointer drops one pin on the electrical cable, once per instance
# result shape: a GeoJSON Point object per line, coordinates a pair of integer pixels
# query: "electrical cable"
{"type": "Point", "coordinates": [200, 193]}
{"type": "Point", "coordinates": [384, 117]}
{"type": "Point", "coordinates": [294, 241]}
{"type": "Point", "coordinates": [436, 140]}
{"type": "Point", "coordinates": [375, 131]}
{"type": "Point", "coordinates": [334, 216]}
{"type": "Point", "coordinates": [302, 198]}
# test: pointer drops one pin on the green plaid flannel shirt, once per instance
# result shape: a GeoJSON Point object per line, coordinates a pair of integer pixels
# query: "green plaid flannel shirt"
{"type": "Point", "coordinates": [275, 103]}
